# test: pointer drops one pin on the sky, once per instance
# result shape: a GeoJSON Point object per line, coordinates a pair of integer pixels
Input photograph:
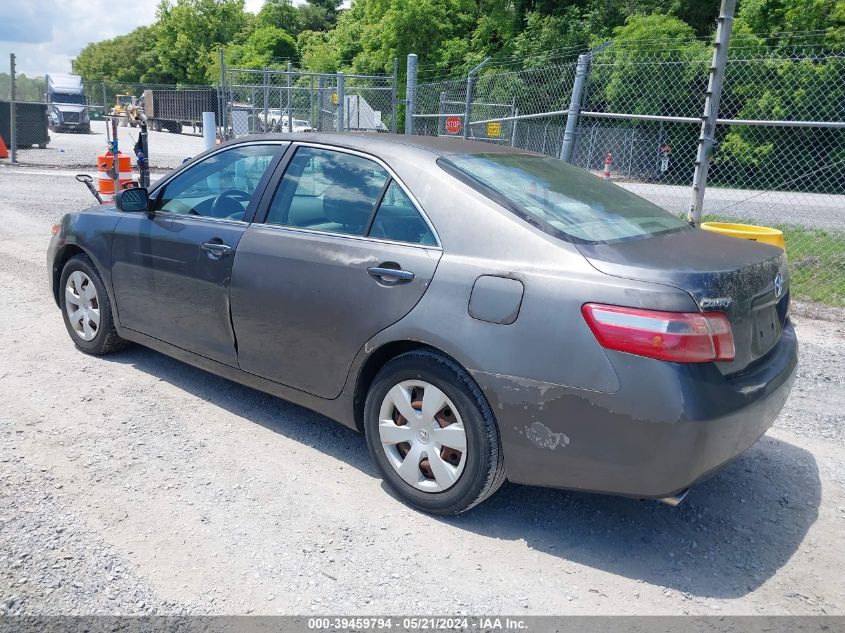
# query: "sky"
{"type": "Point", "coordinates": [45, 35]}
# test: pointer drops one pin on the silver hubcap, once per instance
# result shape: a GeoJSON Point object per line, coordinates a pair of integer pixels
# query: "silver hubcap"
{"type": "Point", "coordinates": [82, 305]}
{"type": "Point", "coordinates": [422, 435]}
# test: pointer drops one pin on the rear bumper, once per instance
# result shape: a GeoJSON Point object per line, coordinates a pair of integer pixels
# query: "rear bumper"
{"type": "Point", "coordinates": [669, 426]}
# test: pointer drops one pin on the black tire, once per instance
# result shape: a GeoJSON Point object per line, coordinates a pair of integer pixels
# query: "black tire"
{"type": "Point", "coordinates": [106, 339]}
{"type": "Point", "coordinates": [484, 471]}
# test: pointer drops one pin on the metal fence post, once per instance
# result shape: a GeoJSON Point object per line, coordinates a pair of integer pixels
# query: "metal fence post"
{"type": "Point", "coordinates": [13, 118]}
{"type": "Point", "coordinates": [311, 116]}
{"type": "Point", "coordinates": [105, 100]}
{"type": "Point", "coordinates": [222, 96]}
{"type": "Point", "coordinates": [410, 93]}
{"type": "Point", "coordinates": [470, 90]}
{"type": "Point", "coordinates": [321, 92]}
{"type": "Point", "coordinates": [289, 109]}
{"type": "Point", "coordinates": [441, 110]}
{"type": "Point", "coordinates": [340, 124]}
{"type": "Point", "coordinates": [394, 106]}
{"type": "Point", "coordinates": [711, 109]}
{"type": "Point", "coordinates": [582, 68]}
{"type": "Point", "coordinates": [266, 84]}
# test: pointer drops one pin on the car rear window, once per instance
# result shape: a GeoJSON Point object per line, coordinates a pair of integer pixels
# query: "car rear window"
{"type": "Point", "coordinates": [561, 199]}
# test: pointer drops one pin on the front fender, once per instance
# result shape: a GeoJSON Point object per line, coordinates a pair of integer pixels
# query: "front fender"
{"type": "Point", "coordinates": [89, 232]}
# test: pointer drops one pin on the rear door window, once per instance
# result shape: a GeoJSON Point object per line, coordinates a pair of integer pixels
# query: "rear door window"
{"type": "Point", "coordinates": [397, 219]}
{"type": "Point", "coordinates": [326, 190]}
{"type": "Point", "coordinates": [561, 199]}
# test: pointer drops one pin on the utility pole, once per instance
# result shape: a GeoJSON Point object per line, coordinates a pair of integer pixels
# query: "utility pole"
{"type": "Point", "coordinates": [581, 69]}
{"type": "Point", "coordinates": [711, 109]}
{"type": "Point", "coordinates": [13, 124]}
{"type": "Point", "coordinates": [582, 72]}
{"type": "Point", "coordinates": [410, 93]}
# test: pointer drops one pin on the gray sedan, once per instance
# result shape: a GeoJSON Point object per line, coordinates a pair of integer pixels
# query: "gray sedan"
{"type": "Point", "coordinates": [480, 313]}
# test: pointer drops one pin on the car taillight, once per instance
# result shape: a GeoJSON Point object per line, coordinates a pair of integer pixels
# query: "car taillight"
{"type": "Point", "coordinates": [682, 337]}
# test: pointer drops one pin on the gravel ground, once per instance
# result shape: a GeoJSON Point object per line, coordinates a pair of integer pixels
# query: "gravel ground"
{"type": "Point", "coordinates": [137, 484]}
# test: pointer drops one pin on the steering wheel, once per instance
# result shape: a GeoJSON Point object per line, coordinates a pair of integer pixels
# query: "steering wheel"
{"type": "Point", "coordinates": [235, 195]}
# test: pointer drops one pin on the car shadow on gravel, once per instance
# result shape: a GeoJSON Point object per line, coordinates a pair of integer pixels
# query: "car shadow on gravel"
{"type": "Point", "coordinates": [277, 415]}
{"type": "Point", "coordinates": [731, 534]}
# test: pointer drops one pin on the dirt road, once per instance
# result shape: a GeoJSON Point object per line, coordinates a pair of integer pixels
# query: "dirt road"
{"type": "Point", "coordinates": [136, 484]}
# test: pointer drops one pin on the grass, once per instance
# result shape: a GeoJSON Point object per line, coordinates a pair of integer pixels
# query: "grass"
{"type": "Point", "coordinates": [816, 261]}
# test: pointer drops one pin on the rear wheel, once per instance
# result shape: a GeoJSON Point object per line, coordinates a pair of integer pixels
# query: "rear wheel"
{"type": "Point", "coordinates": [86, 308]}
{"type": "Point", "coordinates": [432, 434]}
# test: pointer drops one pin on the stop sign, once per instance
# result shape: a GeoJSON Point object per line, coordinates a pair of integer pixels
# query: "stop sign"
{"type": "Point", "coordinates": [453, 124]}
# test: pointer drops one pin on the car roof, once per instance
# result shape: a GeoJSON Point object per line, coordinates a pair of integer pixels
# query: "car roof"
{"type": "Point", "coordinates": [374, 143]}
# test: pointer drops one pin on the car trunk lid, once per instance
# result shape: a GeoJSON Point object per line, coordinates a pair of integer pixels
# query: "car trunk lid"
{"type": "Point", "coordinates": [745, 280]}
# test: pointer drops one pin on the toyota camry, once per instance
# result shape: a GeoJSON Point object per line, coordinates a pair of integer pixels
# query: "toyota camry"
{"type": "Point", "coordinates": [478, 312]}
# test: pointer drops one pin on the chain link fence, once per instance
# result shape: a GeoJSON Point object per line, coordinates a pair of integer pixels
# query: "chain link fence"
{"type": "Point", "coordinates": [779, 153]}
{"type": "Point", "coordinates": [293, 100]}
{"type": "Point", "coordinates": [69, 128]}
{"type": "Point", "coordinates": [634, 113]}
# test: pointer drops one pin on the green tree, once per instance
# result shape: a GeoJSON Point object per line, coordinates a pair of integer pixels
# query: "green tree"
{"type": "Point", "coordinates": [189, 31]}
{"type": "Point", "coordinates": [128, 58]}
{"type": "Point", "coordinates": [281, 14]}
{"type": "Point", "coordinates": [544, 35]}
{"type": "Point", "coordinates": [330, 8]}
{"type": "Point", "coordinates": [26, 88]}
{"type": "Point", "coordinates": [314, 18]}
{"type": "Point", "coordinates": [654, 66]}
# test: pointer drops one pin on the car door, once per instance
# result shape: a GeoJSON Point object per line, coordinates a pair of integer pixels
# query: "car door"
{"type": "Point", "coordinates": [342, 253]}
{"type": "Point", "coordinates": [171, 267]}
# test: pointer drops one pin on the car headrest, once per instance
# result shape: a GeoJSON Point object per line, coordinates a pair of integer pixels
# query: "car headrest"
{"type": "Point", "coordinates": [349, 206]}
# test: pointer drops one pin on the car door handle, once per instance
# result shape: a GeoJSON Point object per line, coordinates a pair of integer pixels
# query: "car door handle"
{"type": "Point", "coordinates": [216, 250]}
{"type": "Point", "coordinates": [391, 274]}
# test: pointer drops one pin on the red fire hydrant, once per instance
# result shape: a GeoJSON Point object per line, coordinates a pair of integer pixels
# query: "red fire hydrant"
{"type": "Point", "coordinates": [607, 162]}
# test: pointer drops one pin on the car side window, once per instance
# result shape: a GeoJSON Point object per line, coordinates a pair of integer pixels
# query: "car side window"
{"type": "Point", "coordinates": [220, 186]}
{"type": "Point", "coordinates": [397, 219]}
{"type": "Point", "coordinates": [325, 190]}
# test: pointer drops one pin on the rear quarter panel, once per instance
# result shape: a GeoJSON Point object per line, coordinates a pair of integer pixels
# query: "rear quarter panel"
{"type": "Point", "coordinates": [549, 341]}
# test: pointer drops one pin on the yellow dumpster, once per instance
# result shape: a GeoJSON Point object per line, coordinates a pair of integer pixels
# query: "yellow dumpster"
{"type": "Point", "coordinates": [747, 232]}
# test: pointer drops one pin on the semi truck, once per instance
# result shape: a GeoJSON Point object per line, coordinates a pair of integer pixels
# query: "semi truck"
{"type": "Point", "coordinates": [172, 109]}
{"type": "Point", "coordinates": [67, 107]}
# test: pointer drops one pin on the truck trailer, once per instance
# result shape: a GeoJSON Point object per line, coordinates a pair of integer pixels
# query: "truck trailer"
{"type": "Point", "coordinates": [172, 109]}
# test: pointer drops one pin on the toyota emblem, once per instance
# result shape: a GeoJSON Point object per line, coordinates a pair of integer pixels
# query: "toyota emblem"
{"type": "Point", "coordinates": [778, 286]}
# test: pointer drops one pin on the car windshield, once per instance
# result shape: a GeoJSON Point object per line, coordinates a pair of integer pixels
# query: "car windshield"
{"type": "Point", "coordinates": [560, 197]}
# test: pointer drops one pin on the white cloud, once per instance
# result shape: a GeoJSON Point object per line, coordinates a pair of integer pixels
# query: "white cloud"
{"type": "Point", "coordinates": [46, 35]}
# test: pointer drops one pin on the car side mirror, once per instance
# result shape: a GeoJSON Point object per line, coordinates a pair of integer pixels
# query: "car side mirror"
{"type": "Point", "coordinates": [132, 200]}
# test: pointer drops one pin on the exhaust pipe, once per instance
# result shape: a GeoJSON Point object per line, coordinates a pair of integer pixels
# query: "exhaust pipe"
{"type": "Point", "coordinates": [675, 500]}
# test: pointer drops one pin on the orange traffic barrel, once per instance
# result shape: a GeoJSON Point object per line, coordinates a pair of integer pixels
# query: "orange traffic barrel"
{"type": "Point", "coordinates": [105, 184]}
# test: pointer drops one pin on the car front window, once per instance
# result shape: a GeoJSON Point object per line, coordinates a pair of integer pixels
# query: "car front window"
{"type": "Point", "coordinates": [560, 198]}
{"type": "Point", "coordinates": [220, 186]}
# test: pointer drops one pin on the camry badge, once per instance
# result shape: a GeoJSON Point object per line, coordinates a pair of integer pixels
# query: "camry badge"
{"type": "Point", "coordinates": [719, 303]}
{"type": "Point", "coordinates": [778, 286]}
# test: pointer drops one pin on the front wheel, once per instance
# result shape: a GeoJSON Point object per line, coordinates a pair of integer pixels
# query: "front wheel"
{"type": "Point", "coordinates": [86, 308]}
{"type": "Point", "coordinates": [432, 434]}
